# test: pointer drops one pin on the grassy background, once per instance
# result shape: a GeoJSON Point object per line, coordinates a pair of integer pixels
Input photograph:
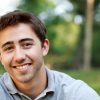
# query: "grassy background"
{"type": "Point", "coordinates": [92, 77]}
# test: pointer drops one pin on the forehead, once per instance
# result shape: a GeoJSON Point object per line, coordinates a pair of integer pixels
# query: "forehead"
{"type": "Point", "coordinates": [16, 33]}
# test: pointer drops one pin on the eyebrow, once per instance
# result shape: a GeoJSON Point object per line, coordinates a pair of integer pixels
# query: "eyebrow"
{"type": "Point", "coordinates": [26, 39]}
{"type": "Point", "coordinates": [7, 43]}
{"type": "Point", "coordinates": [11, 42]}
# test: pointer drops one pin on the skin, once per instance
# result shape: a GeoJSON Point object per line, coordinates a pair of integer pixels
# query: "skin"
{"type": "Point", "coordinates": [21, 53]}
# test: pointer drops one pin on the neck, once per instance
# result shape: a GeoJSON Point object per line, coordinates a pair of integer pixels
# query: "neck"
{"type": "Point", "coordinates": [35, 87]}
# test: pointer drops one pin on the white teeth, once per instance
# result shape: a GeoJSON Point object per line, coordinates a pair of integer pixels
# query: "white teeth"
{"type": "Point", "coordinates": [22, 67]}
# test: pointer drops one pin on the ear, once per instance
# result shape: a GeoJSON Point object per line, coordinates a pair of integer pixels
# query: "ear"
{"type": "Point", "coordinates": [45, 47]}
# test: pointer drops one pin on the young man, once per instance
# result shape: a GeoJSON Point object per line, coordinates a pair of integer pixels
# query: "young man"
{"type": "Point", "coordinates": [23, 45]}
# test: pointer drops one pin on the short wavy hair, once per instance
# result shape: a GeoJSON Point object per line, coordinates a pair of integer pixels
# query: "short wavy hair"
{"type": "Point", "coordinates": [17, 16]}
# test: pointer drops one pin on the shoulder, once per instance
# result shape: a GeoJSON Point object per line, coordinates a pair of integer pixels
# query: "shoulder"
{"type": "Point", "coordinates": [82, 91]}
{"type": "Point", "coordinates": [62, 78]}
{"type": "Point", "coordinates": [3, 89]}
{"type": "Point", "coordinates": [72, 88]}
{"type": "Point", "coordinates": [2, 83]}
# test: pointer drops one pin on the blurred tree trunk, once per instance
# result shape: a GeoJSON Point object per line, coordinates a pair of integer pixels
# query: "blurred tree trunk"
{"type": "Point", "coordinates": [88, 35]}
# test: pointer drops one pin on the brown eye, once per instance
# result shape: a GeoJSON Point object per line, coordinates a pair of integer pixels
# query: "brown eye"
{"type": "Point", "coordinates": [8, 49]}
{"type": "Point", "coordinates": [27, 45]}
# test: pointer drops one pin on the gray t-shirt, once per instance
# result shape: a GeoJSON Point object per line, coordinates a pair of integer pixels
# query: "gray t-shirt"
{"type": "Point", "coordinates": [60, 87]}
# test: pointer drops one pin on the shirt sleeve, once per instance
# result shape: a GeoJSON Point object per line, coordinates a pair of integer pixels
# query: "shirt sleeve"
{"type": "Point", "coordinates": [2, 94]}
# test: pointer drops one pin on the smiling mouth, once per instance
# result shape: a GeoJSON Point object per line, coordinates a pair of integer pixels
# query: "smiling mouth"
{"type": "Point", "coordinates": [23, 66]}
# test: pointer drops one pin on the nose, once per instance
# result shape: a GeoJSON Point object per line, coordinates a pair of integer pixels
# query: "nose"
{"type": "Point", "coordinates": [19, 55]}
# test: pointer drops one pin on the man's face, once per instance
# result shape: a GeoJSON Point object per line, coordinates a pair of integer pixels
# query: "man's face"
{"type": "Point", "coordinates": [21, 52]}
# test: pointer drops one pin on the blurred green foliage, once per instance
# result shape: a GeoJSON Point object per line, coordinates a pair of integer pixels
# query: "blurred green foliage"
{"type": "Point", "coordinates": [80, 10]}
{"type": "Point", "coordinates": [96, 49]}
{"type": "Point", "coordinates": [2, 70]}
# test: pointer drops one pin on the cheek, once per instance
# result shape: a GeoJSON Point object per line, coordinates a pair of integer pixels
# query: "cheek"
{"type": "Point", "coordinates": [35, 54]}
{"type": "Point", "coordinates": [6, 59]}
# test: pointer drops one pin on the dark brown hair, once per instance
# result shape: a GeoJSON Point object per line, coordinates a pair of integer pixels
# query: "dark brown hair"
{"type": "Point", "coordinates": [16, 17]}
